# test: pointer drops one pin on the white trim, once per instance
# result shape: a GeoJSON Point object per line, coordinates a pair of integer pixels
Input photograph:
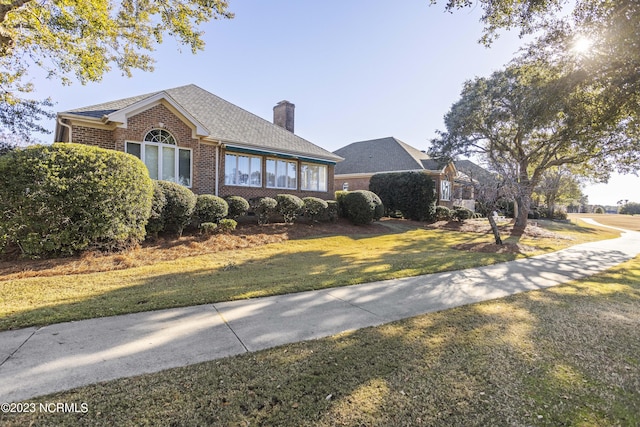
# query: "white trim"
{"type": "Point", "coordinates": [326, 177]}
{"type": "Point", "coordinates": [176, 162]}
{"type": "Point", "coordinates": [250, 156]}
{"type": "Point", "coordinates": [275, 159]}
{"type": "Point", "coordinates": [120, 116]}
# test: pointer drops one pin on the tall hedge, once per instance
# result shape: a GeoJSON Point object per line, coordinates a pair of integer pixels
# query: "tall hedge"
{"type": "Point", "coordinates": [412, 193]}
{"type": "Point", "coordinates": [65, 198]}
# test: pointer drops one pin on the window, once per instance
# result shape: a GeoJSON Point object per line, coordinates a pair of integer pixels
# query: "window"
{"type": "Point", "coordinates": [240, 169]}
{"type": "Point", "coordinates": [445, 190]}
{"type": "Point", "coordinates": [163, 158]}
{"type": "Point", "coordinates": [314, 177]}
{"type": "Point", "coordinates": [282, 174]}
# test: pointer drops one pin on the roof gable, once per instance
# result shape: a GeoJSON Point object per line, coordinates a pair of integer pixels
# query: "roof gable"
{"type": "Point", "coordinates": [213, 118]}
{"type": "Point", "coordinates": [383, 155]}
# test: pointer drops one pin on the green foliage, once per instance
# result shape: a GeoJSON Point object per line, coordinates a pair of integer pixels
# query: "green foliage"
{"type": "Point", "coordinates": [332, 214]}
{"type": "Point", "coordinates": [264, 208]}
{"type": "Point", "coordinates": [66, 198]}
{"type": "Point", "coordinates": [208, 228]}
{"type": "Point", "coordinates": [412, 193]}
{"type": "Point", "coordinates": [443, 213]}
{"type": "Point", "coordinates": [461, 213]}
{"type": "Point", "coordinates": [180, 205]}
{"type": "Point", "coordinates": [238, 206]}
{"type": "Point", "coordinates": [630, 208]}
{"type": "Point", "coordinates": [599, 210]}
{"type": "Point", "coordinates": [155, 224]}
{"type": "Point", "coordinates": [340, 195]}
{"type": "Point", "coordinates": [227, 225]}
{"type": "Point", "coordinates": [362, 207]}
{"type": "Point", "coordinates": [85, 39]}
{"type": "Point", "coordinates": [209, 208]}
{"type": "Point", "coordinates": [289, 206]}
{"type": "Point", "coordinates": [314, 207]}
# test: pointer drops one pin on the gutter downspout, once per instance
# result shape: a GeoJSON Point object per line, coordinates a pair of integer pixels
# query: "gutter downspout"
{"type": "Point", "coordinates": [67, 126]}
{"type": "Point", "coordinates": [217, 167]}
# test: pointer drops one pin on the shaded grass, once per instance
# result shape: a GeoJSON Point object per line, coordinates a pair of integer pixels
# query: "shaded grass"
{"type": "Point", "coordinates": [566, 355]}
{"type": "Point", "coordinates": [292, 266]}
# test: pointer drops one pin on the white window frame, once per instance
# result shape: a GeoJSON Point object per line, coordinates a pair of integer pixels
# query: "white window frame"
{"type": "Point", "coordinates": [445, 190]}
{"type": "Point", "coordinates": [304, 184]}
{"type": "Point", "coordinates": [161, 146]}
{"type": "Point", "coordinates": [250, 156]}
{"type": "Point", "coordinates": [275, 159]}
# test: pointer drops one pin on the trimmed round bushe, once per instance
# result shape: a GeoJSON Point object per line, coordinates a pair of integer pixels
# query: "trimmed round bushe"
{"type": "Point", "coordinates": [238, 206]}
{"type": "Point", "coordinates": [363, 207]}
{"type": "Point", "coordinates": [65, 198]}
{"type": "Point", "coordinates": [314, 207]}
{"type": "Point", "coordinates": [209, 208]}
{"type": "Point", "coordinates": [289, 206]}
{"type": "Point", "coordinates": [180, 205]}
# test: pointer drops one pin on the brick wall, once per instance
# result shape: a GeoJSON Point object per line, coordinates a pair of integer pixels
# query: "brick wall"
{"type": "Point", "coordinates": [354, 183]}
{"type": "Point", "coordinates": [90, 136]}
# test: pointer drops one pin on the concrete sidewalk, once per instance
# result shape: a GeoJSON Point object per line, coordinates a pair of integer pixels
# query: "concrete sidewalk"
{"type": "Point", "coordinates": [38, 361]}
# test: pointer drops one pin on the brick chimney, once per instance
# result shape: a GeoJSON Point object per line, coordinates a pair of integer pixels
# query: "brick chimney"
{"type": "Point", "coordinates": [283, 114]}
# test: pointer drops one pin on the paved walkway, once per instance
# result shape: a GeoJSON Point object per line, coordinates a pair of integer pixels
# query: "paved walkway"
{"type": "Point", "coordinates": [38, 361]}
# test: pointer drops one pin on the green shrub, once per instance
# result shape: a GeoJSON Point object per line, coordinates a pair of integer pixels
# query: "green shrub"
{"type": "Point", "coordinates": [412, 193]}
{"type": "Point", "coordinates": [209, 208]}
{"type": "Point", "coordinates": [314, 207]}
{"type": "Point", "coordinates": [208, 228]}
{"type": "Point", "coordinates": [443, 213]}
{"type": "Point", "coordinates": [180, 205]}
{"type": "Point", "coordinates": [65, 198]}
{"type": "Point", "coordinates": [461, 213]}
{"type": "Point", "coordinates": [264, 208]}
{"type": "Point", "coordinates": [340, 195]}
{"type": "Point", "coordinates": [363, 207]}
{"type": "Point", "coordinates": [238, 206]}
{"type": "Point", "coordinates": [227, 225]}
{"type": "Point", "coordinates": [289, 206]}
{"type": "Point", "coordinates": [560, 214]}
{"type": "Point", "coordinates": [155, 224]}
{"type": "Point", "coordinates": [630, 208]}
{"type": "Point", "coordinates": [331, 214]}
{"type": "Point", "coordinates": [599, 210]}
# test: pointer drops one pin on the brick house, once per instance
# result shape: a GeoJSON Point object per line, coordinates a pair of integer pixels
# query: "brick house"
{"type": "Point", "coordinates": [197, 139]}
{"type": "Point", "coordinates": [364, 159]}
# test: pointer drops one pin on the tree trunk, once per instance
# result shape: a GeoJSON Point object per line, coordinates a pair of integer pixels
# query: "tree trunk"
{"type": "Point", "coordinates": [494, 229]}
{"type": "Point", "coordinates": [524, 202]}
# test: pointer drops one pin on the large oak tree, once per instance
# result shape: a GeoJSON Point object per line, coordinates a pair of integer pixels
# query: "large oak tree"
{"type": "Point", "coordinates": [531, 117]}
{"type": "Point", "coordinates": [83, 39]}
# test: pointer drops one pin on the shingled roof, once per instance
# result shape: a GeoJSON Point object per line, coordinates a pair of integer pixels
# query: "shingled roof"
{"type": "Point", "coordinates": [383, 155]}
{"type": "Point", "coordinates": [218, 119]}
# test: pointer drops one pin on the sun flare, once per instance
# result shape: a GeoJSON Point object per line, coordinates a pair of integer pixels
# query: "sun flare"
{"type": "Point", "coordinates": [582, 45]}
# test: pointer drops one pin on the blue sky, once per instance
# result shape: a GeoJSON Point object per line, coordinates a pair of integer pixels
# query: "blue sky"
{"type": "Point", "coordinates": [355, 69]}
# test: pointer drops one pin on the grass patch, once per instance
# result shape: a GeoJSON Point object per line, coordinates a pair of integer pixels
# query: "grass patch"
{"type": "Point", "coordinates": [286, 267]}
{"type": "Point", "coordinates": [566, 355]}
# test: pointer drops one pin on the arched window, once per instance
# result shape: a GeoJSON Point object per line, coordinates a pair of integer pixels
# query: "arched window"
{"type": "Point", "coordinates": [160, 136]}
{"type": "Point", "coordinates": [165, 160]}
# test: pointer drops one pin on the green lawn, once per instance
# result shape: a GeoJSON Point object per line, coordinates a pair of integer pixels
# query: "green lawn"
{"type": "Point", "coordinates": [292, 266]}
{"type": "Point", "coordinates": [564, 356]}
